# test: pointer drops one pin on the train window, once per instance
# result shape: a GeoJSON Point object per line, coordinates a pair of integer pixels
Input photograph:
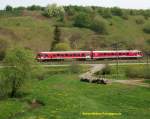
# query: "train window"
{"type": "Point", "coordinates": [62, 54]}
{"type": "Point", "coordinates": [78, 54]}
{"type": "Point", "coordinates": [58, 55]}
{"type": "Point", "coordinates": [70, 54]}
{"type": "Point", "coordinates": [82, 55]}
{"type": "Point", "coordinates": [66, 54]}
{"type": "Point", "coordinates": [74, 54]}
{"type": "Point", "coordinates": [45, 55]}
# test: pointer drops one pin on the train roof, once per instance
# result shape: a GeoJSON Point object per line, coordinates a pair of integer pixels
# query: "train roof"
{"type": "Point", "coordinates": [64, 51]}
{"type": "Point", "coordinates": [119, 51]}
{"type": "Point", "coordinates": [90, 51]}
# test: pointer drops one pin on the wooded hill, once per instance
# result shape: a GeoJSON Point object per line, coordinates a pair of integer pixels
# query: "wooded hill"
{"type": "Point", "coordinates": [74, 28]}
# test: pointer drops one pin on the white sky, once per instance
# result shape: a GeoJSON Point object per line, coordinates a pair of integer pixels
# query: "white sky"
{"type": "Point", "coordinates": [134, 4]}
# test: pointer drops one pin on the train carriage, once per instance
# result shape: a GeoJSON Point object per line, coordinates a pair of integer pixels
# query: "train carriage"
{"type": "Point", "coordinates": [122, 54]}
{"type": "Point", "coordinates": [84, 55]}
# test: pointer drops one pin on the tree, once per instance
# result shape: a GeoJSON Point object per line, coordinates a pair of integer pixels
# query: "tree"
{"type": "Point", "coordinates": [20, 62]}
{"type": "Point", "coordinates": [34, 7]}
{"type": "Point", "coordinates": [9, 8]}
{"type": "Point", "coordinates": [57, 34]}
{"type": "Point", "coordinates": [82, 20]}
{"type": "Point", "coordinates": [99, 25]}
{"type": "Point", "coordinates": [139, 20]}
{"type": "Point", "coordinates": [54, 11]}
{"type": "Point", "coordinates": [117, 11]}
{"type": "Point", "coordinates": [106, 13]}
{"type": "Point", "coordinates": [62, 47]}
{"type": "Point", "coordinates": [3, 47]}
{"type": "Point", "coordinates": [146, 28]}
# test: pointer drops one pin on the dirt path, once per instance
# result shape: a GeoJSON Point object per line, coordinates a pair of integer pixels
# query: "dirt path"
{"type": "Point", "coordinates": [133, 82]}
{"type": "Point", "coordinates": [95, 68]}
{"type": "Point", "coordinates": [98, 67]}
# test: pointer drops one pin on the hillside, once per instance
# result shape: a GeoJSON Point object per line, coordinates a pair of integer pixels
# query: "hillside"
{"type": "Point", "coordinates": [34, 31]}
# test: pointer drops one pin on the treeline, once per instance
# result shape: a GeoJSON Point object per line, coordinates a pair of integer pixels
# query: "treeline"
{"type": "Point", "coordinates": [71, 10]}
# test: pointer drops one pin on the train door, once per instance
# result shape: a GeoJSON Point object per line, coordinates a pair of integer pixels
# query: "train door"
{"type": "Point", "coordinates": [88, 56]}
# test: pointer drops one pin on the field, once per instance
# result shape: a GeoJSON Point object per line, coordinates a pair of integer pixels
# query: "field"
{"type": "Point", "coordinates": [62, 96]}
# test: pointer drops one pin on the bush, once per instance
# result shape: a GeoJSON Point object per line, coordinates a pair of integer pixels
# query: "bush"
{"type": "Point", "coordinates": [3, 48]}
{"type": "Point", "coordinates": [117, 11]}
{"type": "Point", "coordinates": [140, 72]}
{"type": "Point", "coordinates": [75, 68]}
{"type": "Point", "coordinates": [34, 7]}
{"type": "Point", "coordinates": [62, 47]}
{"type": "Point", "coordinates": [82, 20]}
{"type": "Point", "coordinates": [99, 25]}
{"type": "Point", "coordinates": [105, 71]}
{"type": "Point", "coordinates": [146, 28]}
{"type": "Point", "coordinates": [106, 13]}
{"type": "Point", "coordinates": [54, 11]}
{"type": "Point", "coordinates": [139, 20]}
{"type": "Point", "coordinates": [9, 8]}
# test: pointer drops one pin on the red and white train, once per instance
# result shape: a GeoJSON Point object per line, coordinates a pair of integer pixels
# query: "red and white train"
{"type": "Point", "coordinates": [85, 55]}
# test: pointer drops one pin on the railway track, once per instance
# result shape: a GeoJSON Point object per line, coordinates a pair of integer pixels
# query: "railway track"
{"type": "Point", "coordinates": [94, 62]}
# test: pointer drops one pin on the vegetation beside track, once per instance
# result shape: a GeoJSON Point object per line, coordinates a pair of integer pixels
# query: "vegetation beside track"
{"type": "Point", "coordinates": [126, 71]}
{"type": "Point", "coordinates": [63, 96]}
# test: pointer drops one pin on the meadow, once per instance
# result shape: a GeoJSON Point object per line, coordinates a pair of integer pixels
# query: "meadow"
{"type": "Point", "coordinates": [61, 95]}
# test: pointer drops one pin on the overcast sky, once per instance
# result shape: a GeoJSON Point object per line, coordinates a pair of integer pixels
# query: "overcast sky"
{"type": "Point", "coordinates": [134, 4]}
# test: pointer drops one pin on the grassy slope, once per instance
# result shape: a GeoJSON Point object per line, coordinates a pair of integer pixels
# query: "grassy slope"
{"type": "Point", "coordinates": [37, 33]}
{"type": "Point", "coordinates": [65, 97]}
{"type": "Point", "coordinates": [29, 32]}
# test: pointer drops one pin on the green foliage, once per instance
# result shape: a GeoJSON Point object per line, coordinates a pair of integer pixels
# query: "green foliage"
{"type": "Point", "coordinates": [34, 7]}
{"type": "Point", "coordinates": [106, 13]}
{"type": "Point", "coordinates": [138, 72]}
{"type": "Point", "coordinates": [57, 34]}
{"type": "Point", "coordinates": [63, 93]}
{"type": "Point", "coordinates": [62, 47]}
{"type": "Point", "coordinates": [146, 28]}
{"type": "Point", "coordinates": [117, 11]}
{"type": "Point", "coordinates": [105, 71]}
{"type": "Point", "coordinates": [19, 63]}
{"type": "Point", "coordinates": [75, 68]}
{"type": "Point", "coordinates": [99, 25]}
{"type": "Point", "coordinates": [82, 20]}
{"type": "Point", "coordinates": [3, 47]}
{"type": "Point", "coordinates": [9, 8]}
{"type": "Point", "coordinates": [139, 20]}
{"type": "Point", "coordinates": [54, 11]}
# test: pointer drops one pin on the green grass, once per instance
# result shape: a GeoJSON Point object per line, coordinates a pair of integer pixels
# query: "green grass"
{"type": "Point", "coordinates": [122, 71]}
{"type": "Point", "coordinates": [36, 32]}
{"type": "Point", "coordinates": [65, 97]}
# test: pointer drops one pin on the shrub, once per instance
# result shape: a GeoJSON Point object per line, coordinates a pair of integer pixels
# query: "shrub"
{"type": "Point", "coordinates": [139, 20]}
{"type": "Point", "coordinates": [75, 68]}
{"type": "Point", "coordinates": [34, 7]}
{"type": "Point", "coordinates": [140, 72]}
{"type": "Point", "coordinates": [62, 47]}
{"type": "Point", "coordinates": [146, 28]}
{"type": "Point", "coordinates": [106, 13]}
{"type": "Point", "coordinates": [82, 20]}
{"type": "Point", "coordinates": [3, 47]}
{"type": "Point", "coordinates": [53, 11]}
{"type": "Point", "coordinates": [105, 71]}
{"type": "Point", "coordinates": [9, 8]}
{"type": "Point", "coordinates": [117, 11]}
{"type": "Point", "coordinates": [99, 25]}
